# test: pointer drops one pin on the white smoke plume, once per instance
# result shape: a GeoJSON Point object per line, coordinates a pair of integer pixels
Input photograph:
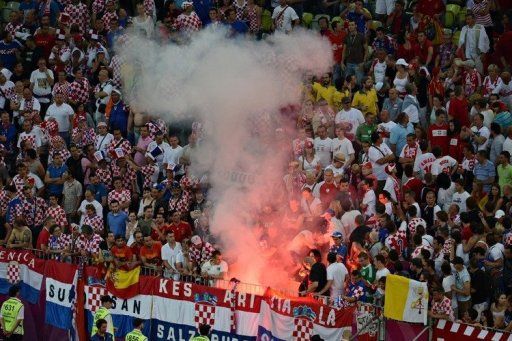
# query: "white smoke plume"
{"type": "Point", "coordinates": [236, 88]}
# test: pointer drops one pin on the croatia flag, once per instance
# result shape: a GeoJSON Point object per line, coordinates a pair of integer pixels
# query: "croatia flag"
{"type": "Point", "coordinates": [23, 269]}
{"type": "Point", "coordinates": [61, 280]}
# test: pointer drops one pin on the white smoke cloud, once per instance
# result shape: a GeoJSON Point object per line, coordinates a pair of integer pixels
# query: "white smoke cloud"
{"type": "Point", "coordinates": [236, 88]}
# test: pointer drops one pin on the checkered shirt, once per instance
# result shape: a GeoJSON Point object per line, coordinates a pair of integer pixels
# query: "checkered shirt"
{"type": "Point", "coordinates": [87, 137]}
{"type": "Point", "coordinates": [107, 18]}
{"type": "Point", "coordinates": [50, 128]}
{"type": "Point", "coordinates": [91, 246]}
{"type": "Point", "coordinates": [199, 256]}
{"type": "Point", "coordinates": [115, 65]}
{"type": "Point", "coordinates": [78, 15]}
{"type": "Point", "coordinates": [127, 174]}
{"type": "Point", "coordinates": [4, 201]}
{"type": "Point", "coordinates": [64, 153]}
{"type": "Point", "coordinates": [180, 204]}
{"type": "Point", "coordinates": [155, 126]}
{"type": "Point", "coordinates": [34, 211]}
{"type": "Point", "coordinates": [30, 140]}
{"type": "Point", "coordinates": [415, 222]}
{"type": "Point", "coordinates": [188, 23]}
{"type": "Point", "coordinates": [148, 171]}
{"type": "Point", "coordinates": [19, 183]}
{"type": "Point", "coordinates": [8, 90]}
{"type": "Point", "coordinates": [15, 211]}
{"type": "Point", "coordinates": [507, 239]}
{"type": "Point", "coordinates": [12, 28]}
{"type": "Point", "coordinates": [204, 314]}
{"type": "Point", "coordinates": [79, 90]}
{"type": "Point", "coordinates": [59, 215]}
{"type": "Point", "coordinates": [149, 7]}
{"type": "Point", "coordinates": [61, 88]}
{"type": "Point", "coordinates": [443, 307]}
{"type": "Point", "coordinates": [28, 106]}
{"type": "Point", "coordinates": [303, 329]}
{"type": "Point", "coordinates": [121, 197]}
{"type": "Point", "coordinates": [61, 242]}
{"type": "Point", "coordinates": [105, 175]}
{"type": "Point", "coordinates": [124, 144]}
{"type": "Point", "coordinates": [98, 6]}
{"type": "Point", "coordinates": [96, 222]}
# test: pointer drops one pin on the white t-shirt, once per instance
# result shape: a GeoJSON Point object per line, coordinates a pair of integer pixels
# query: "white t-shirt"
{"type": "Point", "coordinates": [102, 142]}
{"type": "Point", "coordinates": [323, 150]}
{"type": "Point", "coordinates": [445, 196]}
{"type": "Point", "coordinates": [443, 164]}
{"type": "Point", "coordinates": [448, 281]}
{"type": "Point", "coordinates": [308, 166]}
{"type": "Point", "coordinates": [164, 146]}
{"type": "Point", "coordinates": [460, 200]}
{"type": "Point", "coordinates": [214, 269]}
{"type": "Point", "coordinates": [5, 89]}
{"type": "Point", "coordinates": [377, 153]}
{"type": "Point", "coordinates": [97, 206]}
{"type": "Point", "coordinates": [36, 106]}
{"type": "Point", "coordinates": [350, 120]}
{"type": "Point", "coordinates": [386, 127]}
{"type": "Point", "coordinates": [337, 272]}
{"type": "Point", "coordinates": [370, 199]}
{"type": "Point", "coordinates": [381, 273]}
{"type": "Point", "coordinates": [390, 187]}
{"type": "Point", "coordinates": [62, 114]}
{"type": "Point", "coordinates": [423, 163]}
{"type": "Point", "coordinates": [169, 254]}
{"type": "Point", "coordinates": [172, 155]}
{"type": "Point", "coordinates": [496, 252]}
{"type": "Point", "coordinates": [482, 132]}
{"type": "Point", "coordinates": [284, 20]}
{"type": "Point", "coordinates": [32, 136]}
{"type": "Point", "coordinates": [342, 146]}
{"type": "Point", "coordinates": [41, 85]}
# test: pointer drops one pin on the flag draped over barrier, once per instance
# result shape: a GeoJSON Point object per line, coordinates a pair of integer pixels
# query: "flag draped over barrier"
{"type": "Point", "coordinates": [123, 283]}
{"type": "Point", "coordinates": [406, 299]}
{"type": "Point", "coordinates": [172, 310]}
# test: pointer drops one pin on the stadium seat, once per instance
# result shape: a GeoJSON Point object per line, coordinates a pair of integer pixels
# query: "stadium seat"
{"type": "Point", "coordinates": [449, 19]}
{"type": "Point", "coordinates": [455, 9]}
{"type": "Point", "coordinates": [307, 19]}
{"type": "Point", "coordinates": [266, 21]}
{"type": "Point", "coordinates": [317, 17]}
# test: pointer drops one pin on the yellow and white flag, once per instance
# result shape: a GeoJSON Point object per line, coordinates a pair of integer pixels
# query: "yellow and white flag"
{"type": "Point", "coordinates": [406, 299]}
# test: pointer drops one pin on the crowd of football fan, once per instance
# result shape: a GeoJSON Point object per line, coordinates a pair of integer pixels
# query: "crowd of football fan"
{"type": "Point", "coordinates": [401, 153]}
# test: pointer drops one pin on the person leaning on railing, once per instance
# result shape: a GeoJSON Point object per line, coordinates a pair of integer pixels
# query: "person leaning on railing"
{"type": "Point", "coordinates": [21, 236]}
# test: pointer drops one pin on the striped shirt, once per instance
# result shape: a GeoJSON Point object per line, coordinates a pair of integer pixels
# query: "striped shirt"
{"type": "Point", "coordinates": [478, 10]}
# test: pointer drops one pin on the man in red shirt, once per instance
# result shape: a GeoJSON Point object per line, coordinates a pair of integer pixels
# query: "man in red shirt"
{"type": "Point", "coordinates": [438, 132]}
{"type": "Point", "coordinates": [426, 50]}
{"type": "Point", "coordinates": [328, 188]}
{"type": "Point", "coordinates": [137, 245]}
{"type": "Point", "coordinates": [413, 185]}
{"type": "Point", "coordinates": [180, 228]}
{"type": "Point", "coordinates": [150, 253]}
{"type": "Point", "coordinates": [123, 255]}
{"type": "Point", "coordinates": [44, 235]}
{"type": "Point", "coordinates": [459, 108]}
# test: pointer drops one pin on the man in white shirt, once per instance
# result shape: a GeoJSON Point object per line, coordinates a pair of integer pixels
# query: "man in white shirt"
{"type": "Point", "coordinates": [460, 196]}
{"type": "Point", "coordinates": [102, 93]}
{"type": "Point", "coordinates": [423, 162]}
{"type": "Point", "coordinates": [29, 136]}
{"type": "Point", "coordinates": [369, 199]}
{"type": "Point", "coordinates": [63, 114]}
{"type": "Point", "coordinates": [380, 266]}
{"type": "Point", "coordinates": [173, 154]}
{"type": "Point", "coordinates": [386, 124]}
{"type": "Point", "coordinates": [342, 145]}
{"type": "Point", "coordinates": [443, 164]}
{"type": "Point", "coordinates": [41, 83]}
{"type": "Point", "coordinates": [323, 146]}
{"type": "Point", "coordinates": [169, 252]}
{"type": "Point", "coordinates": [336, 274]}
{"type": "Point", "coordinates": [215, 268]}
{"type": "Point", "coordinates": [284, 18]}
{"type": "Point", "coordinates": [158, 148]}
{"type": "Point", "coordinates": [479, 133]}
{"type": "Point", "coordinates": [474, 41]}
{"type": "Point", "coordinates": [379, 155]}
{"type": "Point", "coordinates": [103, 138]}
{"type": "Point", "coordinates": [89, 199]}
{"type": "Point", "coordinates": [349, 119]}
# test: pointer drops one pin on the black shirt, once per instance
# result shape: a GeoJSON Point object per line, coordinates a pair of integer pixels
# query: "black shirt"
{"type": "Point", "coordinates": [480, 281]}
{"type": "Point", "coordinates": [318, 274]}
{"type": "Point", "coordinates": [75, 168]}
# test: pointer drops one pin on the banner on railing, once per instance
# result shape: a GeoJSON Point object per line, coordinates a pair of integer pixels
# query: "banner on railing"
{"type": "Point", "coordinates": [61, 281]}
{"type": "Point", "coordinates": [447, 330]}
{"type": "Point", "coordinates": [22, 268]}
{"type": "Point", "coordinates": [284, 317]}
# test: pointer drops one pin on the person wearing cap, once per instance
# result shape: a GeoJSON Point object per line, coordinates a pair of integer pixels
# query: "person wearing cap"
{"type": "Point", "coordinates": [136, 333]}
{"type": "Point", "coordinates": [12, 315]}
{"type": "Point", "coordinates": [103, 313]}
{"type": "Point", "coordinates": [338, 247]}
{"type": "Point", "coordinates": [200, 251]}
{"type": "Point", "coordinates": [103, 137]}
{"type": "Point", "coordinates": [188, 21]}
{"type": "Point", "coordinates": [366, 99]}
{"type": "Point", "coordinates": [462, 287]}
{"type": "Point", "coordinates": [337, 166]}
{"type": "Point", "coordinates": [473, 41]}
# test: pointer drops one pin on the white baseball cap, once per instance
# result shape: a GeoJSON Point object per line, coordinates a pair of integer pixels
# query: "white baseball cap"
{"type": "Point", "coordinates": [402, 62]}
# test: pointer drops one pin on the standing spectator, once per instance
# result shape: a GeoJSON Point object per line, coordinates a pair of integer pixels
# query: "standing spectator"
{"type": "Point", "coordinates": [462, 286]}
{"type": "Point", "coordinates": [284, 17]}
{"type": "Point", "coordinates": [170, 256]}
{"type": "Point", "coordinates": [441, 305]}
{"type": "Point", "coordinates": [355, 51]}
{"type": "Point", "coordinates": [474, 41]}
{"type": "Point", "coordinates": [41, 83]}
{"type": "Point", "coordinates": [380, 155]}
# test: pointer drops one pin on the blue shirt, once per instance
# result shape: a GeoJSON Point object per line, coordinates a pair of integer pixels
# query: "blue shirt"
{"type": "Point", "coordinates": [99, 190]}
{"type": "Point", "coordinates": [119, 117]}
{"type": "Point", "coordinates": [8, 53]}
{"type": "Point", "coordinates": [55, 173]}
{"type": "Point", "coordinates": [10, 133]}
{"type": "Point", "coordinates": [398, 136]}
{"type": "Point", "coordinates": [484, 172]}
{"type": "Point", "coordinates": [359, 19]}
{"type": "Point", "coordinates": [202, 7]}
{"type": "Point", "coordinates": [117, 222]}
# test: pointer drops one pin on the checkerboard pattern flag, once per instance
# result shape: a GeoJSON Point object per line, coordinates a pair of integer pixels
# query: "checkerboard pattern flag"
{"type": "Point", "coordinates": [204, 314]}
{"type": "Point", "coordinates": [93, 297]}
{"type": "Point", "coordinates": [13, 272]}
{"type": "Point", "coordinates": [303, 329]}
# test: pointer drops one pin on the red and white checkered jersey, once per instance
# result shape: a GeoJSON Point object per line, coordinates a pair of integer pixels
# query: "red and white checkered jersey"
{"type": "Point", "coordinates": [78, 15]}
{"type": "Point", "coordinates": [414, 223]}
{"type": "Point", "coordinates": [98, 6]}
{"type": "Point", "coordinates": [83, 137]}
{"type": "Point", "coordinates": [188, 23]}
{"type": "Point", "coordinates": [12, 28]}
{"type": "Point", "coordinates": [107, 18]}
{"type": "Point", "coordinates": [96, 222]}
{"type": "Point", "coordinates": [472, 81]}
{"type": "Point", "coordinates": [79, 90]}
{"type": "Point", "coordinates": [58, 214]}
{"type": "Point", "coordinates": [34, 211]}
{"type": "Point", "coordinates": [121, 196]}
{"type": "Point", "coordinates": [91, 245]}
{"type": "Point", "coordinates": [201, 255]}
{"type": "Point", "coordinates": [115, 65]}
{"type": "Point", "coordinates": [105, 176]}
{"type": "Point", "coordinates": [127, 175]}
{"type": "Point", "coordinates": [443, 307]}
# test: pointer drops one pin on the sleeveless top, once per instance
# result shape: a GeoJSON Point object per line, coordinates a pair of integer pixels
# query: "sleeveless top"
{"type": "Point", "coordinates": [400, 84]}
